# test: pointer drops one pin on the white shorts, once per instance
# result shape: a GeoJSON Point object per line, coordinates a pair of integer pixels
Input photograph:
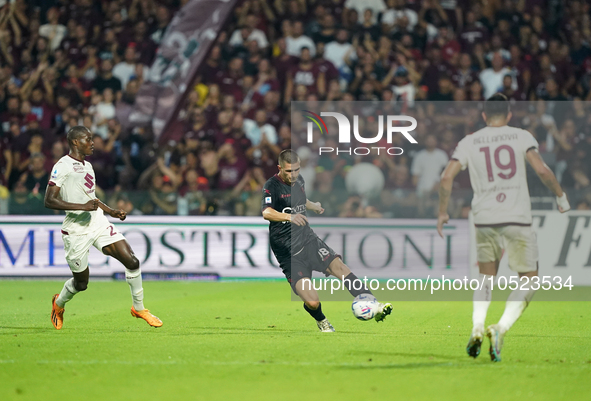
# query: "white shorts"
{"type": "Point", "coordinates": [77, 247]}
{"type": "Point", "coordinates": [519, 241]}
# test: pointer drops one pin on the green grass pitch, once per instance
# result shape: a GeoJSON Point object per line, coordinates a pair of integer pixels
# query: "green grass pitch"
{"type": "Point", "coordinates": [248, 341]}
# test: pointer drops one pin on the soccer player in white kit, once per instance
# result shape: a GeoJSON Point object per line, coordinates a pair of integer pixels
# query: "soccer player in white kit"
{"type": "Point", "coordinates": [72, 188]}
{"type": "Point", "coordinates": [495, 157]}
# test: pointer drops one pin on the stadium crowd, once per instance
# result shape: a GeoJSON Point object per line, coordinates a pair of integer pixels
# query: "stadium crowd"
{"type": "Point", "coordinates": [71, 62]}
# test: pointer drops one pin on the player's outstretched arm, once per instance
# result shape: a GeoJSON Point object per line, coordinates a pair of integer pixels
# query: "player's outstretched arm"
{"type": "Point", "coordinates": [271, 214]}
{"type": "Point", "coordinates": [548, 178]}
{"type": "Point", "coordinates": [118, 214]}
{"type": "Point", "coordinates": [447, 179]}
{"type": "Point", "coordinates": [316, 207]}
{"type": "Point", "coordinates": [53, 201]}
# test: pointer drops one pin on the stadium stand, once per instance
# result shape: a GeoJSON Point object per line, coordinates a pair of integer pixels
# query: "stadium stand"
{"type": "Point", "coordinates": [70, 62]}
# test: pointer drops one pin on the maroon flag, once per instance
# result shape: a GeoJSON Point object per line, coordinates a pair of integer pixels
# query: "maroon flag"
{"type": "Point", "coordinates": [186, 42]}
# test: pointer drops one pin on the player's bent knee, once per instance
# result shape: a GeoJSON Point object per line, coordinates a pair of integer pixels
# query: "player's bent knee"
{"type": "Point", "coordinates": [312, 304]}
{"type": "Point", "coordinates": [338, 268]}
{"type": "Point", "coordinates": [80, 285]}
{"type": "Point", "coordinates": [133, 264]}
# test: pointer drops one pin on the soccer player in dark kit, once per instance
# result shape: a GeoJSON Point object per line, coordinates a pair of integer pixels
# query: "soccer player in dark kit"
{"type": "Point", "coordinates": [297, 248]}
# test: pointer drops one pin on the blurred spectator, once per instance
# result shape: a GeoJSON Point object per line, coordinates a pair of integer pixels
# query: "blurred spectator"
{"type": "Point", "coordinates": [325, 194]}
{"type": "Point", "coordinates": [354, 207]}
{"type": "Point", "coordinates": [193, 193]}
{"type": "Point", "coordinates": [230, 81]}
{"type": "Point", "coordinates": [508, 90]}
{"type": "Point", "coordinates": [496, 48]}
{"type": "Point", "coordinates": [248, 33]}
{"type": "Point", "coordinates": [125, 204]}
{"type": "Point", "coordinates": [325, 29]}
{"type": "Point", "coordinates": [11, 113]}
{"type": "Point", "coordinates": [396, 11]}
{"type": "Point", "coordinates": [375, 6]}
{"type": "Point", "coordinates": [53, 30]}
{"type": "Point", "coordinates": [283, 61]}
{"type": "Point", "coordinates": [258, 129]}
{"type": "Point", "coordinates": [24, 145]}
{"type": "Point", "coordinates": [445, 90]}
{"type": "Point", "coordinates": [5, 161]}
{"type": "Point", "coordinates": [492, 78]}
{"type": "Point", "coordinates": [445, 40]}
{"type": "Point", "coordinates": [163, 196]}
{"type": "Point", "coordinates": [473, 32]}
{"type": "Point", "coordinates": [22, 201]}
{"type": "Point", "coordinates": [464, 75]}
{"type": "Point", "coordinates": [427, 166]}
{"type": "Point", "coordinates": [305, 74]}
{"type": "Point", "coordinates": [337, 50]}
{"type": "Point", "coordinates": [36, 178]}
{"type": "Point", "coordinates": [163, 189]}
{"type": "Point", "coordinates": [144, 45]}
{"type": "Point", "coordinates": [102, 110]}
{"type": "Point", "coordinates": [106, 79]}
{"type": "Point", "coordinates": [103, 163]}
{"type": "Point", "coordinates": [399, 198]}
{"type": "Point", "coordinates": [307, 169]}
{"type": "Point", "coordinates": [324, 66]}
{"type": "Point", "coordinates": [233, 168]}
{"type": "Point", "coordinates": [298, 41]}
{"type": "Point", "coordinates": [129, 68]}
{"type": "Point", "coordinates": [436, 67]}
{"type": "Point", "coordinates": [58, 150]}
{"type": "Point", "coordinates": [162, 20]}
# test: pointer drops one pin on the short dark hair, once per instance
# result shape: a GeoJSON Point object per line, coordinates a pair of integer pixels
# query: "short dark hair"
{"type": "Point", "coordinates": [288, 156]}
{"type": "Point", "coordinates": [77, 132]}
{"type": "Point", "coordinates": [496, 106]}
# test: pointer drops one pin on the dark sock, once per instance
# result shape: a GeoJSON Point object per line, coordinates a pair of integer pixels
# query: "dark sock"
{"type": "Point", "coordinates": [315, 313]}
{"type": "Point", "coordinates": [355, 286]}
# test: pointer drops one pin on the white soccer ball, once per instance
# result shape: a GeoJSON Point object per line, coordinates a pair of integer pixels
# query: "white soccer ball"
{"type": "Point", "coordinates": [365, 306]}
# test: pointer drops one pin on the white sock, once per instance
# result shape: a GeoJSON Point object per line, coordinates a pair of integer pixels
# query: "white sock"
{"type": "Point", "coordinates": [481, 300]}
{"type": "Point", "coordinates": [516, 304]}
{"type": "Point", "coordinates": [134, 279]}
{"type": "Point", "coordinates": [67, 293]}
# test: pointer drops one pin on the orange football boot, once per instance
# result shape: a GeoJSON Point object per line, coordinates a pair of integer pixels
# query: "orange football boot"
{"type": "Point", "coordinates": [57, 313]}
{"type": "Point", "coordinates": [147, 316]}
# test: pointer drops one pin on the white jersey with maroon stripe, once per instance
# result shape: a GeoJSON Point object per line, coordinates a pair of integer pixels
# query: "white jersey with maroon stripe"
{"type": "Point", "coordinates": [495, 158]}
{"type": "Point", "coordinates": [76, 180]}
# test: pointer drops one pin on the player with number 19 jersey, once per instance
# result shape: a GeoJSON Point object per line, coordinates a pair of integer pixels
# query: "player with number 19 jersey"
{"type": "Point", "coordinates": [496, 159]}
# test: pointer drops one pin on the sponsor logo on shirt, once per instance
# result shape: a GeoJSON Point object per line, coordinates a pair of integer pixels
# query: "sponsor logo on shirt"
{"type": "Point", "coordinates": [89, 181]}
{"type": "Point", "coordinates": [78, 169]}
